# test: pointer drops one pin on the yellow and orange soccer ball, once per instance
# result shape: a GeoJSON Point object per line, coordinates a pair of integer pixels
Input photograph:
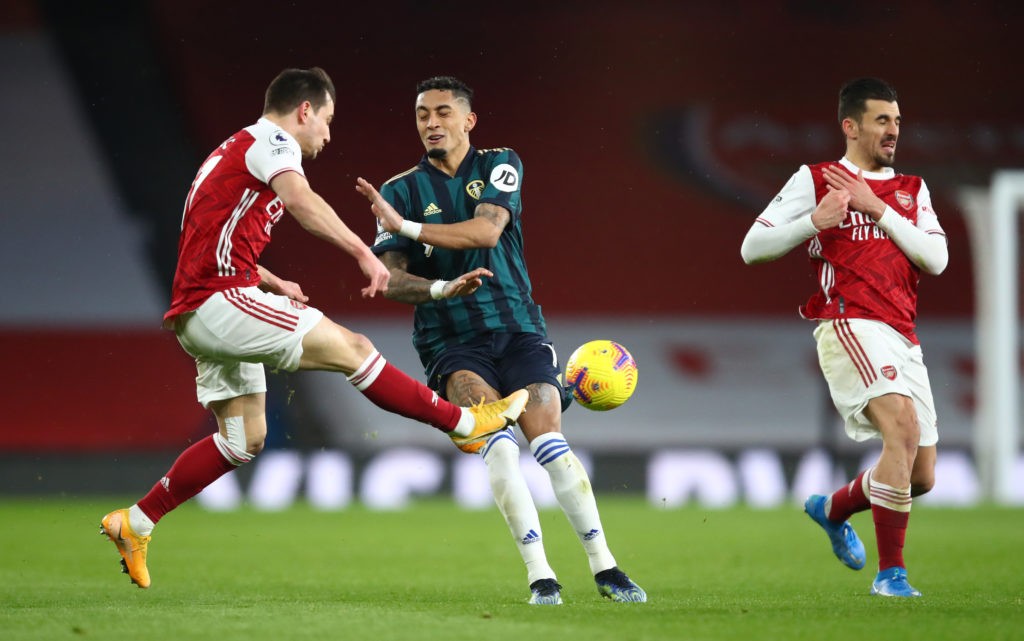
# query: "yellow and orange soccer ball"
{"type": "Point", "coordinates": [602, 375]}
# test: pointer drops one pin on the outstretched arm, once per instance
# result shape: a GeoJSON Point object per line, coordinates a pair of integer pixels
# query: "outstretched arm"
{"type": "Point", "coordinates": [481, 231]}
{"type": "Point", "coordinates": [319, 218]}
{"type": "Point", "coordinates": [407, 288]}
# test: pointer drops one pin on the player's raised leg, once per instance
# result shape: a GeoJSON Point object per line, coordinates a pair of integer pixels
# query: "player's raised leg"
{"type": "Point", "coordinates": [832, 512]}
{"type": "Point", "coordinates": [329, 346]}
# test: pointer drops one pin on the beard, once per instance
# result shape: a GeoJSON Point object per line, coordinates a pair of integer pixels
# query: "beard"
{"type": "Point", "coordinates": [437, 154]}
{"type": "Point", "coordinates": [885, 160]}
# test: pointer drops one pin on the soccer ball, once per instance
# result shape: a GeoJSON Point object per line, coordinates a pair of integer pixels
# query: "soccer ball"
{"type": "Point", "coordinates": [601, 374]}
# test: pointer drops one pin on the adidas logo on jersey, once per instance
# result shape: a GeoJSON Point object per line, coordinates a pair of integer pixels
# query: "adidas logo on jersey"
{"type": "Point", "coordinates": [431, 210]}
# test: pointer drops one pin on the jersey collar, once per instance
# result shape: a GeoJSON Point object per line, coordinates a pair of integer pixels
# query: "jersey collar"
{"type": "Point", "coordinates": [464, 167]}
{"type": "Point", "coordinates": [885, 174]}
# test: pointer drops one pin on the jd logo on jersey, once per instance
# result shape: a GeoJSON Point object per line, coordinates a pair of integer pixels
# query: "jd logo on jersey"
{"type": "Point", "coordinates": [505, 178]}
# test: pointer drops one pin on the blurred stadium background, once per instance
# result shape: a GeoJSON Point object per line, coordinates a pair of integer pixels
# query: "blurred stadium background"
{"type": "Point", "coordinates": [652, 134]}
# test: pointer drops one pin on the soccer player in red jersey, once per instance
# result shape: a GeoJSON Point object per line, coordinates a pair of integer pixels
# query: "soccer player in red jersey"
{"type": "Point", "coordinates": [234, 316]}
{"type": "Point", "coordinates": [869, 233]}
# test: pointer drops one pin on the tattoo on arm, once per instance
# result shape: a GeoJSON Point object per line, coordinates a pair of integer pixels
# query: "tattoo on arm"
{"type": "Point", "coordinates": [497, 214]}
{"type": "Point", "coordinates": [404, 287]}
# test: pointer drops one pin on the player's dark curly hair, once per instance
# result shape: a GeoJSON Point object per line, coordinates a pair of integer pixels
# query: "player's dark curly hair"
{"type": "Point", "coordinates": [458, 88]}
{"type": "Point", "coordinates": [854, 95]}
{"type": "Point", "coordinates": [292, 87]}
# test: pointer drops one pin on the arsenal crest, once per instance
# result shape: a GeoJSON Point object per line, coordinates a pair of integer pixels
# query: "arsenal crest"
{"type": "Point", "coordinates": [905, 200]}
{"type": "Point", "coordinates": [889, 372]}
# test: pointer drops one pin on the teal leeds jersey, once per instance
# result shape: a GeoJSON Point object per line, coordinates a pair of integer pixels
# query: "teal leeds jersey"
{"type": "Point", "coordinates": [427, 195]}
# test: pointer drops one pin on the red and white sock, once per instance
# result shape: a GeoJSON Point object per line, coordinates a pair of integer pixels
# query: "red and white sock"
{"type": "Point", "coordinates": [198, 466]}
{"type": "Point", "coordinates": [393, 390]}
{"type": "Point", "coordinates": [849, 499]}
{"type": "Point", "coordinates": [890, 508]}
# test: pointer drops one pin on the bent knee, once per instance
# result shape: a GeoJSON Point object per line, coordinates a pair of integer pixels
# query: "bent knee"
{"type": "Point", "coordinates": [904, 429]}
{"type": "Point", "coordinates": [238, 444]}
{"type": "Point", "coordinates": [922, 479]}
{"type": "Point", "coordinates": [352, 351]}
{"type": "Point", "coordinates": [917, 488]}
{"type": "Point", "coordinates": [254, 446]}
{"type": "Point", "coordinates": [359, 345]}
{"type": "Point", "coordinates": [909, 435]}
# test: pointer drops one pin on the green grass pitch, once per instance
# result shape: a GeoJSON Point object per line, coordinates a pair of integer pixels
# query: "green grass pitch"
{"type": "Point", "coordinates": [437, 572]}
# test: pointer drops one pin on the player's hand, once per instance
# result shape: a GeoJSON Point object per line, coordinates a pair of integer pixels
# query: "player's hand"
{"type": "Point", "coordinates": [467, 283]}
{"type": "Point", "coordinates": [291, 290]}
{"type": "Point", "coordinates": [862, 197]}
{"type": "Point", "coordinates": [375, 270]}
{"type": "Point", "coordinates": [390, 220]}
{"type": "Point", "coordinates": [831, 210]}
{"type": "Point", "coordinates": [275, 285]}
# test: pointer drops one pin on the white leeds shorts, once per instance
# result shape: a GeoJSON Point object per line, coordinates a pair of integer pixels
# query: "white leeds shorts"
{"type": "Point", "coordinates": [864, 359]}
{"type": "Point", "coordinates": [235, 332]}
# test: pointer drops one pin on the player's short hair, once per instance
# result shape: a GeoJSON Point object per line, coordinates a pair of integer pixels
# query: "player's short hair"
{"type": "Point", "coordinates": [458, 88]}
{"type": "Point", "coordinates": [292, 87]}
{"type": "Point", "coordinates": [853, 96]}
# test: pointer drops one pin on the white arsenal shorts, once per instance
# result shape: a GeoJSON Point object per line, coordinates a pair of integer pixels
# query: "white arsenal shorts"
{"type": "Point", "coordinates": [235, 332]}
{"type": "Point", "coordinates": [864, 359]}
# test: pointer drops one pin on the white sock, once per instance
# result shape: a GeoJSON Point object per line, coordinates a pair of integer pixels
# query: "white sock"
{"type": "Point", "coordinates": [575, 495]}
{"type": "Point", "coordinates": [465, 425]}
{"type": "Point", "coordinates": [515, 503]}
{"type": "Point", "coordinates": [139, 522]}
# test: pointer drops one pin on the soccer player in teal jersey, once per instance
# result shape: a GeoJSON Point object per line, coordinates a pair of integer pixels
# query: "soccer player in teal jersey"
{"type": "Point", "coordinates": [449, 231]}
{"type": "Point", "coordinates": [504, 305]}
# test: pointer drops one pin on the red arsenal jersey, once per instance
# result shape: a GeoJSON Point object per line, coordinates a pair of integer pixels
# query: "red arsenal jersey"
{"type": "Point", "coordinates": [861, 272]}
{"type": "Point", "coordinates": [229, 213]}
